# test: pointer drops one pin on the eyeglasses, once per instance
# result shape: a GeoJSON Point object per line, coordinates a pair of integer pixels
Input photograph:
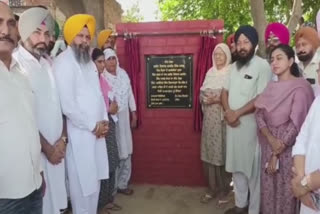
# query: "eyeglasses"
{"type": "Point", "coordinates": [273, 40]}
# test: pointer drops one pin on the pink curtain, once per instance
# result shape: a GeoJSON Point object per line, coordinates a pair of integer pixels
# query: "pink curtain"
{"type": "Point", "coordinates": [204, 63]}
{"type": "Point", "coordinates": [133, 60]}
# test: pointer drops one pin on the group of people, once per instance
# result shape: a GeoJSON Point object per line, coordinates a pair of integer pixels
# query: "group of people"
{"type": "Point", "coordinates": [66, 119]}
{"type": "Point", "coordinates": [65, 123]}
{"type": "Point", "coordinates": [261, 120]}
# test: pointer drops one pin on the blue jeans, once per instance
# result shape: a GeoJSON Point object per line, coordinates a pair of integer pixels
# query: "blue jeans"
{"type": "Point", "coordinates": [31, 204]}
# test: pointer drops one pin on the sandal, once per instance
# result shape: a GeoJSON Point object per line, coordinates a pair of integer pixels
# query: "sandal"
{"type": "Point", "coordinates": [113, 207]}
{"type": "Point", "coordinates": [125, 191]}
{"type": "Point", "coordinates": [206, 198]}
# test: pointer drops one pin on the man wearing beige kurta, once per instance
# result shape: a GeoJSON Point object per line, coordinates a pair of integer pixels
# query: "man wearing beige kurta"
{"type": "Point", "coordinates": [248, 78]}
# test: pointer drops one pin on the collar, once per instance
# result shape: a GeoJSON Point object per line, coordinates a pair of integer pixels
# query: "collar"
{"type": "Point", "coordinates": [28, 56]}
{"type": "Point", "coordinates": [13, 64]}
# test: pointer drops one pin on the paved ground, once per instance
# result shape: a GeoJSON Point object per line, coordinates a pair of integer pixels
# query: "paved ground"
{"type": "Point", "coordinates": [150, 199]}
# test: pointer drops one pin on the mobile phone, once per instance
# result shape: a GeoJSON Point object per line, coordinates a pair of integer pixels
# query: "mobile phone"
{"type": "Point", "coordinates": [311, 81]}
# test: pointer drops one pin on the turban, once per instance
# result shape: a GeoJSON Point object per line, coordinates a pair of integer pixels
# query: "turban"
{"type": "Point", "coordinates": [76, 23]}
{"type": "Point", "coordinates": [31, 19]}
{"type": "Point", "coordinates": [96, 53]}
{"type": "Point", "coordinates": [103, 37]}
{"type": "Point", "coordinates": [279, 30]}
{"type": "Point", "coordinates": [309, 34]}
{"type": "Point", "coordinates": [230, 40]}
{"type": "Point", "coordinates": [250, 32]}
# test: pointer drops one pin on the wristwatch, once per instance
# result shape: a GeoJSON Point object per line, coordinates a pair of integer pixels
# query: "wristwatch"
{"type": "Point", "coordinates": [305, 181]}
{"type": "Point", "coordinates": [65, 139]}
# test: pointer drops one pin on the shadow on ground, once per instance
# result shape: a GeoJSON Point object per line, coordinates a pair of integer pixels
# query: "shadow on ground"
{"type": "Point", "coordinates": [150, 199]}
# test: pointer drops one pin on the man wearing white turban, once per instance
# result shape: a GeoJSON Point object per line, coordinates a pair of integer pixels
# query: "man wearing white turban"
{"type": "Point", "coordinates": [35, 27]}
{"type": "Point", "coordinates": [83, 105]}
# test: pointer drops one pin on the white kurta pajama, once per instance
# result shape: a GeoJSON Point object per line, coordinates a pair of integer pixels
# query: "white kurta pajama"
{"type": "Point", "coordinates": [243, 149]}
{"type": "Point", "coordinates": [50, 124]}
{"type": "Point", "coordinates": [308, 144]}
{"type": "Point", "coordinates": [122, 90]}
{"type": "Point", "coordinates": [83, 104]}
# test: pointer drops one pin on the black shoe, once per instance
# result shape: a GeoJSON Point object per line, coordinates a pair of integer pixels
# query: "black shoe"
{"type": "Point", "coordinates": [237, 210]}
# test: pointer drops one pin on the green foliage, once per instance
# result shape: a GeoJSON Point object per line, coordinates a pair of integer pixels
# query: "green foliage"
{"type": "Point", "coordinates": [233, 12]}
{"type": "Point", "coordinates": [133, 14]}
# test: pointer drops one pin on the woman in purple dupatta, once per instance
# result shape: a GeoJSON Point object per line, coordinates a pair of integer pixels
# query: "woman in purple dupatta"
{"type": "Point", "coordinates": [281, 110]}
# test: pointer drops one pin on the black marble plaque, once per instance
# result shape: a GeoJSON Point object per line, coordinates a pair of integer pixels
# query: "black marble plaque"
{"type": "Point", "coordinates": [169, 81]}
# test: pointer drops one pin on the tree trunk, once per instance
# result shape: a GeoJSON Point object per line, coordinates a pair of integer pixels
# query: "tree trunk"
{"type": "Point", "coordinates": [296, 15]}
{"type": "Point", "coordinates": [95, 8]}
{"type": "Point", "coordinates": [70, 7]}
{"type": "Point", "coordinates": [260, 23]}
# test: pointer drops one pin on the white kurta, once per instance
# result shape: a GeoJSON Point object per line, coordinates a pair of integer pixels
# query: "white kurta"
{"type": "Point", "coordinates": [121, 87]}
{"type": "Point", "coordinates": [83, 104]}
{"type": "Point", "coordinates": [308, 144]}
{"type": "Point", "coordinates": [50, 124]}
{"type": "Point", "coordinates": [310, 71]}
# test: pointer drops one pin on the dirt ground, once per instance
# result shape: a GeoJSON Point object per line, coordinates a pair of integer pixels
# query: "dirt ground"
{"type": "Point", "coordinates": [150, 199]}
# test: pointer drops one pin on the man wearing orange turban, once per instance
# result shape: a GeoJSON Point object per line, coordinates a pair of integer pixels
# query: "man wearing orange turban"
{"type": "Point", "coordinates": [106, 39]}
{"type": "Point", "coordinates": [87, 118]}
{"type": "Point", "coordinates": [307, 46]}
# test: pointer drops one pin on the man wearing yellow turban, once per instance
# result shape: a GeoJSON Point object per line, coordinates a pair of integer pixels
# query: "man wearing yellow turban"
{"type": "Point", "coordinates": [35, 27]}
{"type": "Point", "coordinates": [106, 39]}
{"type": "Point", "coordinates": [87, 119]}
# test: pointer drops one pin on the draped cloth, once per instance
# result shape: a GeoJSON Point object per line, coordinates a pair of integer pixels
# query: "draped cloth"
{"type": "Point", "coordinates": [133, 54]}
{"type": "Point", "coordinates": [204, 63]}
{"type": "Point", "coordinates": [278, 96]}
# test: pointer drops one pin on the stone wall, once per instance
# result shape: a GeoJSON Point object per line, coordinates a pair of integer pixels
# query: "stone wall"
{"type": "Point", "coordinates": [113, 11]}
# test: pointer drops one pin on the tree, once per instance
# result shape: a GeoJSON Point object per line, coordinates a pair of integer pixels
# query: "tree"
{"type": "Point", "coordinates": [96, 7]}
{"type": "Point", "coordinates": [133, 14]}
{"type": "Point", "coordinates": [239, 12]}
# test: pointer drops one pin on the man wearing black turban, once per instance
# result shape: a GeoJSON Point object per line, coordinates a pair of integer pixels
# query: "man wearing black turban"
{"type": "Point", "coordinates": [246, 47]}
{"type": "Point", "coordinates": [247, 80]}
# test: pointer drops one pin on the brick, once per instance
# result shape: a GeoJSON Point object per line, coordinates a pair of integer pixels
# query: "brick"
{"type": "Point", "coordinates": [166, 149]}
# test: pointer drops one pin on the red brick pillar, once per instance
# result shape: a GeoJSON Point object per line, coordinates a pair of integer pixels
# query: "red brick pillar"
{"type": "Point", "coordinates": [166, 148]}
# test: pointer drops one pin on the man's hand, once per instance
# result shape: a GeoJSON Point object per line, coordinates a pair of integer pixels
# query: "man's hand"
{"type": "Point", "coordinates": [113, 108]}
{"type": "Point", "coordinates": [307, 201]}
{"type": "Point", "coordinates": [60, 145]}
{"type": "Point", "coordinates": [56, 156]}
{"type": "Point", "coordinates": [101, 129]}
{"type": "Point", "coordinates": [231, 116]}
{"type": "Point", "coordinates": [43, 185]}
{"type": "Point", "coordinates": [297, 189]}
{"type": "Point", "coordinates": [235, 124]}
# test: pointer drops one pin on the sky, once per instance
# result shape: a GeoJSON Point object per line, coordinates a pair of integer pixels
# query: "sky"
{"type": "Point", "coordinates": [148, 8]}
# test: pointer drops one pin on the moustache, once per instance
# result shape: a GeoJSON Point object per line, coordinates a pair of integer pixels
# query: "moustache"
{"type": "Point", "coordinates": [40, 43]}
{"type": "Point", "coordinates": [301, 53]}
{"type": "Point", "coordinates": [7, 39]}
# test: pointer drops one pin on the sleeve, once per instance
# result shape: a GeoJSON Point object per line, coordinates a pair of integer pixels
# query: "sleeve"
{"type": "Point", "coordinates": [66, 84]}
{"type": "Point", "coordinates": [301, 144]}
{"type": "Point", "coordinates": [290, 134]}
{"type": "Point", "coordinates": [260, 119]}
{"type": "Point", "coordinates": [265, 75]}
{"type": "Point", "coordinates": [299, 109]}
